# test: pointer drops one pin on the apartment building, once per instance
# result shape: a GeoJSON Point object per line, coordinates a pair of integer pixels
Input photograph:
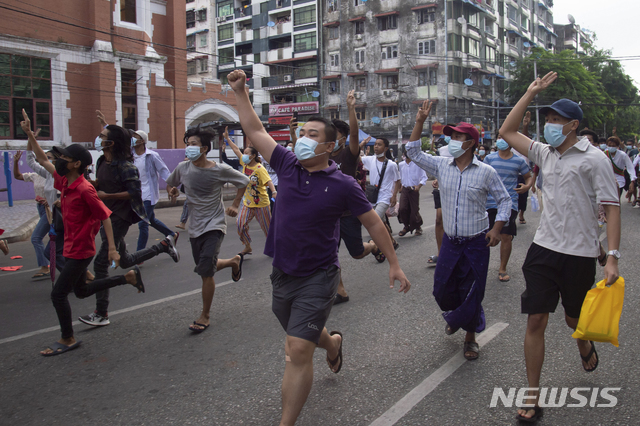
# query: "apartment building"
{"type": "Point", "coordinates": [397, 53]}
{"type": "Point", "coordinates": [572, 37]}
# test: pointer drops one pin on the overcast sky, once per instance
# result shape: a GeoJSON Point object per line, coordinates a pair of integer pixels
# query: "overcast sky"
{"type": "Point", "coordinates": [615, 23]}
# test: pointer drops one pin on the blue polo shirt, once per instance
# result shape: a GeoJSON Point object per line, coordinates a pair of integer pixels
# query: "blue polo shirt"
{"type": "Point", "coordinates": [508, 170]}
{"type": "Point", "coordinates": [305, 226]}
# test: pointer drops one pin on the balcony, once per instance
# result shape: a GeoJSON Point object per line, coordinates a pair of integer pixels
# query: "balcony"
{"type": "Point", "coordinates": [244, 60]}
{"type": "Point", "coordinates": [279, 29]}
{"type": "Point", "coordinates": [244, 35]}
{"type": "Point", "coordinates": [242, 13]}
{"type": "Point", "coordinates": [278, 54]}
{"type": "Point", "coordinates": [276, 5]}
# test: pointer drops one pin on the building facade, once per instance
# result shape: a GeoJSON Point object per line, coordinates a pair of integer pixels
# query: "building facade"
{"type": "Point", "coordinates": [397, 53]}
{"type": "Point", "coordinates": [63, 61]}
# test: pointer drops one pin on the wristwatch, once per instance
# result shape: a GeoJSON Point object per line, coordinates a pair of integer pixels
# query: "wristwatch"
{"type": "Point", "coordinates": [614, 253]}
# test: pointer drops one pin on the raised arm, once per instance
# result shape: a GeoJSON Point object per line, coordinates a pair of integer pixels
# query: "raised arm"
{"type": "Point", "coordinates": [233, 146]}
{"type": "Point", "coordinates": [421, 117]}
{"type": "Point", "coordinates": [354, 130]}
{"type": "Point", "coordinates": [509, 129]}
{"type": "Point", "coordinates": [101, 119]}
{"type": "Point", "coordinates": [16, 167]}
{"type": "Point", "coordinates": [33, 145]}
{"type": "Point", "coordinates": [293, 125]}
{"type": "Point", "coordinates": [251, 124]}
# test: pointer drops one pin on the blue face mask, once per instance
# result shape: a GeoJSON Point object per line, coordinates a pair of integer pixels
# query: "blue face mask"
{"type": "Point", "coordinates": [481, 152]}
{"type": "Point", "coordinates": [455, 148]}
{"type": "Point", "coordinates": [289, 149]}
{"type": "Point", "coordinates": [337, 146]}
{"type": "Point", "coordinates": [502, 145]}
{"type": "Point", "coordinates": [98, 144]}
{"type": "Point", "coordinates": [246, 159]}
{"type": "Point", "coordinates": [612, 150]}
{"type": "Point", "coordinates": [603, 146]}
{"type": "Point", "coordinates": [553, 134]}
{"type": "Point", "coordinates": [192, 153]}
{"type": "Point", "coordinates": [133, 141]}
{"type": "Point", "coordinates": [305, 148]}
{"type": "Point", "coordinates": [447, 139]}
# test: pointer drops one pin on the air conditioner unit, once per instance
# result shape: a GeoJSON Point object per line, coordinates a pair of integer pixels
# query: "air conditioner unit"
{"type": "Point", "coordinates": [357, 95]}
{"type": "Point", "coordinates": [288, 78]}
{"type": "Point", "coordinates": [457, 54]}
{"type": "Point", "coordinates": [221, 19]}
{"type": "Point", "coordinates": [360, 66]}
{"type": "Point", "coordinates": [386, 92]}
{"type": "Point", "coordinates": [358, 36]}
{"type": "Point", "coordinates": [361, 124]}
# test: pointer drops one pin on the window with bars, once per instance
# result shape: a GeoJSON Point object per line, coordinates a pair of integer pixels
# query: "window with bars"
{"type": "Point", "coordinates": [472, 46]}
{"type": "Point", "coordinates": [332, 5]}
{"type": "Point", "coordinates": [427, 47]}
{"type": "Point", "coordinates": [390, 52]}
{"type": "Point", "coordinates": [359, 27]}
{"type": "Point", "coordinates": [334, 114]}
{"type": "Point", "coordinates": [361, 84]}
{"type": "Point", "coordinates": [191, 67]}
{"type": "Point", "coordinates": [128, 11]}
{"type": "Point", "coordinates": [388, 22]}
{"type": "Point", "coordinates": [390, 81]}
{"type": "Point", "coordinates": [204, 64]}
{"type": "Point", "coordinates": [306, 69]}
{"type": "Point", "coordinates": [455, 43]}
{"type": "Point", "coordinates": [225, 8]}
{"type": "Point", "coordinates": [490, 54]}
{"type": "Point", "coordinates": [191, 18]}
{"type": "Point", "coordinates": [428, 78]}
{"type": "Point", "coordinates": [360, 56]}
{"type": "Point", "coordinates": [225, 32]}
{"type": "Point", "coordinates": [304, 15]}
{"type": "Point", "coordinates": [203, 40]}
{"type": "Point", "coordinates": [302, 42]}
{"type": "Point", "coordinates": [334, 33]}
{"type": "Point", "coordinates": [25, 82]}
{"type": "Point", "coordinates": [389, 111]}
{"type": "Point", "coordinates": [191, 42]}
{"type": "Point", "coordinates": [201, 15]}
{"type": "Point", "coordinates": [426, 15]}
{"type": "Point", "coordinates": [129, 99]}
{"type": "Point", "coordinates": [225, 56]}
{"type": "Point", "coordinates": [361, 114]}
{"type": "Point", "coordinates": [334, 59]}
{"type": "Point", "coordinates": [334, 87]}
{"type": "Point", "coordinates": [455, 74]}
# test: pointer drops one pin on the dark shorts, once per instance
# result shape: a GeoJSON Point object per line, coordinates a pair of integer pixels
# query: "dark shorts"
{"type": "Point", "coordinates": [510, 227]}
{"type": "Point", "coordinates": [436, 199]}
{"type": "Point", "coordinates": [351, 234]}
{"type": "Point", "coordinates": [302, 304]}
{"type": "Point", "coordinates": [550, 275]}
{"type": "Point", "coordinates": [205, 249]}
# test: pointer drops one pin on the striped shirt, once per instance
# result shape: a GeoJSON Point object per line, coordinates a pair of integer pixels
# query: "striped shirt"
{"type": "Point", "coordinates": [508, 170]}
{"type": "Point", "coordinates": [464, 193]}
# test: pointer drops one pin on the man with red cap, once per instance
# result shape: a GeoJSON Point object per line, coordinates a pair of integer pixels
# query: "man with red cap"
{"type": "Point", "coordinates": [461, 273]}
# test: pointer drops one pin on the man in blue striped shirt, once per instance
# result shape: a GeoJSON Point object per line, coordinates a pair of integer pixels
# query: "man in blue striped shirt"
{"type": "Point", "coordinates": [461, 273]}
{"type": "Point", "coordinates": [509, 167]}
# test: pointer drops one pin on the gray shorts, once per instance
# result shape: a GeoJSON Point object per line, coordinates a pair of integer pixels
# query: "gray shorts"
{"type": "Point", "coordinates": [302, 304]}
{"type": "Point", "coordinates": [205, 249]}
{"type": "Point", "coordinates": [381, 209]}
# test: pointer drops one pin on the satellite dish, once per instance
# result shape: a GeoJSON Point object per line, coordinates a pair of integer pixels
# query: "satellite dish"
{"type": "Point", "coordinates": [526, 44]}
{"type": "Point", "coordinates": [271, 24]}
{"type": "Point", "coordinates": [571, 18]}
{"type": "Point", "coordinates": [462, 21]}
{"type": "Point", "coordinates": [486, 82]}
{"type": "Point", "coordinates": [315, 94]}
{"type": "Point", "coordinates": [468, 82]}
{"type": "Point", "coordinates": [513, 64]}
{"type": "Point", "coordinates": [375, 120]}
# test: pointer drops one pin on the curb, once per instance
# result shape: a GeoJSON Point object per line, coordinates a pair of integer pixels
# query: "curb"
{"type": "Point", "coordinates": [23, 232]}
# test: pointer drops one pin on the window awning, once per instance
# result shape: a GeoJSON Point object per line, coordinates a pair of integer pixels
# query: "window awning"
{"type": "Point", "coordinates": [356, 74]}
{"type": "Point", "coordinates": [331, 24]}
{"type": "Point", "coordinates": [332, 107]}
{"type": "Point", "coordinates": [358, 19]}
{"type": "Point", "coordinates": [421, 67]}
{"type": "Point", "coordinates": [387, 104]}
{"type": "Point", "coordinates": [289, 86]}
{"type": "Point", "coordinates": [421, 101]}
{"type": "Point", "coordinates": [198, 32]}
{"type": "Point", "coordinates": [382, 15]}
{"type": "Point", "coordinates": [516, 33]}
{"type": "Point", "coordinates": [388, 71]}
{"type": "Point", "coordinates": [424, 6]}
{"type": "Point", "coordinates": [474, 4]}
{"type": "Point", "coordinates": [280, 61]}
{"type": "Point", "coordinates": [331, 77]}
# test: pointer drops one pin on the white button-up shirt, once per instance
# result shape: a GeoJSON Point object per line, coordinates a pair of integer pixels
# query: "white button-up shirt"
{"type": "Point", "coordinates": [574, 184]}
{"type": "Point", "coordinates": [464, 193]}
{"type": "Point", "coordinates": [411, 174]}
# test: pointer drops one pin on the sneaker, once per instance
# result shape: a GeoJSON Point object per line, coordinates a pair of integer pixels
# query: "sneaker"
{"type": "Point", "coordinates": [95, 320]}
{"type": "Point", "coordinates": [170, 243]}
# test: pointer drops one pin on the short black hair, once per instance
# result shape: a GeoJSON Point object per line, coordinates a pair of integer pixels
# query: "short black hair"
{"type": "Point", "coordinates": [330, 130]}
{"type": "Point", "coordinates": [341, 127]}
{"type": "Point", "coordinates": [205, 136]}
{"type": "Point", "coordinates": [121, 138]}
{"type": "Point", "coordinates": [614, 139]}
{"type": "Point", "coordinates": [594, 135]}
{"type": "Point", "coordinates": [256, 153]}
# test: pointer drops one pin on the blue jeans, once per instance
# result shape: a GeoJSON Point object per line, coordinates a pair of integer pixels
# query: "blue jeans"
{"type": "Point", "coordinates": [185, 213]}
{"type": "Point", "coordinates": [143, 237]}
{"type": "Point", "coordinates": [41, 230]}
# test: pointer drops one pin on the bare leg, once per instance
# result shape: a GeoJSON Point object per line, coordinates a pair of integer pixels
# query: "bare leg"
{"type": "Point", "coordinates": [229, 263]}
{"type": "Point", "coordinates": [534, 354]}
{"type": "Point", "coordinates": [584, 346]}
{"type": "Point", "coordinates": [208, 289]}
{"type": "Point", "coordinates": [341, 290]}
{"type": "Point", "coordinates": [506, 242]}
{"type": "Point", "coordinates": [298, 378]}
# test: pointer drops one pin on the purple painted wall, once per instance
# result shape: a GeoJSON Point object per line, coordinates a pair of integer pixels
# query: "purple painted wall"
{"type": "Point", "coordinates": [24, 190]}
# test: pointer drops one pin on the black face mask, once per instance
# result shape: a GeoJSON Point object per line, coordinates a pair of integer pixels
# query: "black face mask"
{"type": "Point", "coordinates": [61, 167]}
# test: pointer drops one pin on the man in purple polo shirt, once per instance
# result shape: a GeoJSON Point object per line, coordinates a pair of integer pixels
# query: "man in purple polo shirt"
{"type": "Point", "coordinates": [312, 196]}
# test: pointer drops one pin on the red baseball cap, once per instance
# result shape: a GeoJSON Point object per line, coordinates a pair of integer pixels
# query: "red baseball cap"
{"type": "Point", "coordinates": [463, 127]}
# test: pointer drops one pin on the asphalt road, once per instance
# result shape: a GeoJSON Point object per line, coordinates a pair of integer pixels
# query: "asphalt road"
{"type": "Point", "coordinates": [146, 368]}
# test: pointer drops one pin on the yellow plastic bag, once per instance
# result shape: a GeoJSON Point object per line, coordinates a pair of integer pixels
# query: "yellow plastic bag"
{"type": "Point", "coordinates": [600, 314]}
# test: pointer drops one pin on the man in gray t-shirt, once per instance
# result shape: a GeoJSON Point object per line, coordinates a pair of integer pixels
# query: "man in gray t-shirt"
{"type": "Point", "coordinates": [203, 181]}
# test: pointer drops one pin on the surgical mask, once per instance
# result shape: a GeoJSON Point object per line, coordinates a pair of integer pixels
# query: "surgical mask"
{"type": "Point", "coordinates": [61, 167]}
{"type": "Point", "coordinates": [246, 159]}
{"type": "Point", "coordinates": [337, 146]}
{"type": "Point", "coordinates": [553, 134]}
{"type": "Point", "coordinates": [98, 144]}
{"type": "Point", "coordinates": [133, 141]}
{"type": "Point", "coordinates": [447, 139]}
{"type": "Point", "coordinates": [192, 152]}
{"type": "Point", "coordinates": [380, 155]}
{"type": "Point", "coordinates": [612, 149]}
{"type": "Point", "coordinates": [305, 148]}
{"type": "Point", "coordinates": [455, 148]}
{"type": "Point", "coordinates": [603, 146]}
{"type": "Point", "coordinates": [502, 145]}
{"type": "Point", "coordinates": [481, 152]}
{"type": "Point", "coordinates": [289, 149]}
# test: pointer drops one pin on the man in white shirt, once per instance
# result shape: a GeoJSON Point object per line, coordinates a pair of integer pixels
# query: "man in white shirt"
{"type": "Point", "coordinates": [150, 167]}
{"type": "Point", "coordinates": [412, 178]}
{"type": "Point", "coordinates": [620, 162]}
{"type": "Point", "coordinates": [561, 262]}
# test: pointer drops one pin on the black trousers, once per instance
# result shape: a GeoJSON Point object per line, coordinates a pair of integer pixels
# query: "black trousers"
{"type": "Point", "coordinates": [101, 264]}
{"type": "Point", "coordinates": [74, 278]}
{"type": "Point", "coordinates": [409, 210]}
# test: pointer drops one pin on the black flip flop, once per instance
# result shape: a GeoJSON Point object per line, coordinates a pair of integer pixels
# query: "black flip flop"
{"type": "Point", "coordinates": [236, 277]}
{"type": "Point", "coordinates": [198, 330]}
{"type": "Point", "coordinates": [59, 348]}
{"type": "Point", "coordinates": [340, 299]}
{"type": "Point", "coordinates": [537, 414]}
{"type": "Point", "coordinates": [471, 347]}
{"type": "Point", "coordinates": [588, 357]}
{"type": "Point", "coordinates": [333, 362]}
{"type": "Point", "coordinates": [139, 284]}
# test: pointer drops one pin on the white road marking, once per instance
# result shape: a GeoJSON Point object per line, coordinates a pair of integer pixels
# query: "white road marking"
{"type": "Point", "coordinates": [410, 400]}
{"type": "Point", "coordinates": [121, 311]}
